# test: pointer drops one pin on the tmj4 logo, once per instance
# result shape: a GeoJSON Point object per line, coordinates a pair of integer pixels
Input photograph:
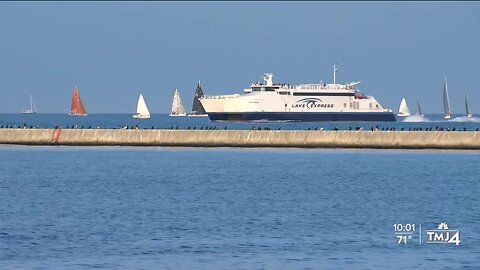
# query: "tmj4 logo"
{"type": "Point", "coordinates": [443, 235]}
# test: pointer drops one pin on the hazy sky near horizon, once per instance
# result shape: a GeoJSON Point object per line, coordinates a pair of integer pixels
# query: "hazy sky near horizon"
{"type": "Point", "coordinates": [114, 51]}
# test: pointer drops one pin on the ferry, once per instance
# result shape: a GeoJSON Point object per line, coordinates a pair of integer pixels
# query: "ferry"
{"type": "Point", "coordinates": [269, 101]}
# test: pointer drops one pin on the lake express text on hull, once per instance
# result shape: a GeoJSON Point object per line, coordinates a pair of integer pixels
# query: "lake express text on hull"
{"type": "Point", "coordinates": [270, 101]}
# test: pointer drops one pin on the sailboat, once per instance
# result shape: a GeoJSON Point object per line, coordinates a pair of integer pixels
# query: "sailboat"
{"type": "Point", "coordinates": [403, 109]}
{"type": "Point", "coordinates": [420, 109]}
{"type": "Point", "coordinates": [469, 114]}
{"type": "Point", "coordinates": [197, 107]}
{"type": "Point", "coordinates": [177, 106]}
{"type": "Point", "coordinates": [446, 101]}
{"type": "Point", "coordinates": [142, 110]}
{"type": "Point", "coordinates": [77, 108]}
{"type": "Point", "coordinates": [33, 108]}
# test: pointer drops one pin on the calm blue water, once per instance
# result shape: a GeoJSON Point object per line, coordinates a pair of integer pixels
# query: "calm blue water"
{"type": "Point", "coordinates": [163, 121]}
{"type": "Point", "coordinates": [186, 208]}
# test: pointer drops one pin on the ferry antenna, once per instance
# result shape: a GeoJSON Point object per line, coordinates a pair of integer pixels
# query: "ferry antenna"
{"type": "Point", "coordinates": [335, 73]}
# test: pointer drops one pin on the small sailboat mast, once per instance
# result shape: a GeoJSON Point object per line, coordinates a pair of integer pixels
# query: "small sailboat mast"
{"type": "Point", "coordinates": [77, 108]}
{"type": "Point", "coordinates": [142, 109]}
{"type": "Point", "coordinates": [32, 105]}
{"type": "Point", "coordinates": [469, 114]}
{"type": "Point", "coordinates": [33, 108]}
{"type": "Point", "coordinates": [177, 106]}
{"type": "Point", "coordinates": [446, 101]}
{"type": "Point", "coordinates": [419, 109]}
{"type": "Point", "coordinates": [403, 110]}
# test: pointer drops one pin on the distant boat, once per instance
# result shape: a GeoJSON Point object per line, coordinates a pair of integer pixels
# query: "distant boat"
{"type": "Point", "coordinates": [403, 109]}
{"type": "Point", "coordinates": [446, 101]}
{"type": "Point", "coordinates": [420, 109]}
{"type": "Point", "coordinates": [142, 110]}
{"type": "Point", "coordinates": [197, 107]}
{"type": "Point", "coordinates": [77, 108]}
{"type": "Point", "coordinates": [33, 108]}
{"type": "Point", "coordinates": [469, 114]}
{"type": "Point", "coordinates": [177, 106]}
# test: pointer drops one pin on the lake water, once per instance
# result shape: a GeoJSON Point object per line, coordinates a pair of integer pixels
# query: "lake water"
{"type": "Point", "coordinates": [189, 208]}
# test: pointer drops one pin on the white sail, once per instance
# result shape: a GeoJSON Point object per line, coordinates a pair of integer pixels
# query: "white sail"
{"type": "Point", "coordinates": [32, 105]}
{"type": "Point", "coordinates": [33, 108]}
{"type": "Point", "coordinates": [142, 110]}
{"type": "Point", "coordinates": [469, 114]}
{"type": "Point", "coordinates": [403, 109]}
{"type": "Point", "coordinates": [446, 101]}
{"type": "Point", "coordinates": [177, 106]}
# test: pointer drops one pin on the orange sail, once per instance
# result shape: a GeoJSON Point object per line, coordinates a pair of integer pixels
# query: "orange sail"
{"type": "Point", "coordinates": [77, 108]}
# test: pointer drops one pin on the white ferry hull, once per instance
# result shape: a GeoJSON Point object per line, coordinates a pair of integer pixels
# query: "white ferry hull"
{"type": "Point", "coordinates": [272, 107]}
{"type": "Point", "coordinates": [304, 117]}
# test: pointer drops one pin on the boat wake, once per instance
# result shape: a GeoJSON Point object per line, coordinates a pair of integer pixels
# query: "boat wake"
{"type": "Point", "coordinates": [465, 119]}
{"type": "Point", "coordinates": [416, 118]}
{"type": "Point", "coordinates": [273, 121]}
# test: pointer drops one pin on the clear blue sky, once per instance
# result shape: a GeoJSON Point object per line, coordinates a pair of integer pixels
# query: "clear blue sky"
{"type": "Point", "coordinates": [114, 51]}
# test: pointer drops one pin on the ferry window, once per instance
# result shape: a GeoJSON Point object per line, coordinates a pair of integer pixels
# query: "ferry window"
{"type": "Point", "coordinates": [377, 105]}
{"type": "Point", "coordinates": [322, 94]}
{"type": "Point", "coordinates": [344, 105]}
{"type": "Point", "coordinates": [370, 105]}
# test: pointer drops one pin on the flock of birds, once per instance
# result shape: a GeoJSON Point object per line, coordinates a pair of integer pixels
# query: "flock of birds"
{"type": "Point", "coordinates": [356, 128]}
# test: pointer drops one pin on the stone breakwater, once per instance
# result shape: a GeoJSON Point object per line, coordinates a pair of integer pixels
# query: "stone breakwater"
{"type": "Point", "coordinates": [245, 138]}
